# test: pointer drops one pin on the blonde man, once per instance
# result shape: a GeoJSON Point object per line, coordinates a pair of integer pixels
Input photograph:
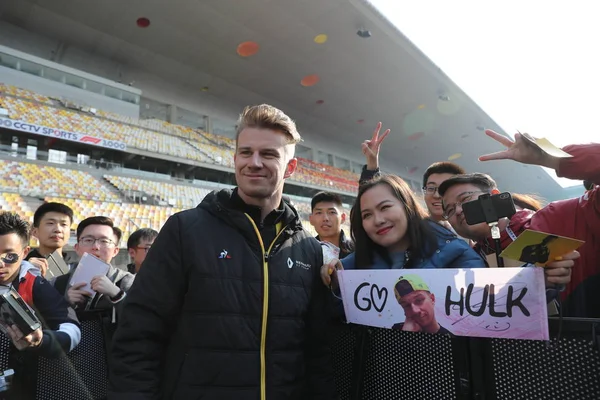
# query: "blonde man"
{"type": "Point", "coordinates": [229, 303]}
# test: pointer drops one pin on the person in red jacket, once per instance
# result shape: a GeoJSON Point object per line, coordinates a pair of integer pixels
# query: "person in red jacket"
{"type": "Point", "coordinates": [577, 218]}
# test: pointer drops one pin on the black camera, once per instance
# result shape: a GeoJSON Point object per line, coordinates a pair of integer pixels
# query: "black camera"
{"type": "Point", "coordinates": [489, 208]}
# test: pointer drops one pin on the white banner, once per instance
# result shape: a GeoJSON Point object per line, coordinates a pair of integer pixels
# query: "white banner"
{"type": "Point", "coordinates": [480, 302]}
{"type": "Point", "coordinates": [60, 134]}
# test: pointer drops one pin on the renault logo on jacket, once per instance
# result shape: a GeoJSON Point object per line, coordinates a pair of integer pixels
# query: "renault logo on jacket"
{"type": "Point", "coordinates": [300, 264]}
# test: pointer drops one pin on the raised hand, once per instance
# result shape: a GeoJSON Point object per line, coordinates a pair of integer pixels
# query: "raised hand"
{"type": "Point", "coordinates": [370, 148]}
{"type": "Point", "coordinates": [523, 149]}
{"type": "Point", "coordinates": [40, 263]}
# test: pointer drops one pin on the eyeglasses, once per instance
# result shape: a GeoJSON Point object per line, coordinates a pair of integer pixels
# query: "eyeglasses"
{"type": "Point", "coordinates": [146, 249]}
{"type": "Point", "coordinates": [429, 190]}
{"type": "Point", "coordinates": [9, 258]}
{"type": "Point", "coordinates": [450, 209]}
{"type": "Point", "coordinates": [90, 241]}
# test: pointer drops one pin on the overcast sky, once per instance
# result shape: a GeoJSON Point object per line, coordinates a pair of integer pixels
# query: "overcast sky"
{"type": "Point", "coordinates": [533, 66]}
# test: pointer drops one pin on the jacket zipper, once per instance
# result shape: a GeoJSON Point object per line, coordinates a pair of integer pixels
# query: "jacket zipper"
{"type": "Point", "coordinates": [263, 332]}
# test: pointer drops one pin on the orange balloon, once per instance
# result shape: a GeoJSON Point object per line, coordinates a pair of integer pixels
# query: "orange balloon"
{"type": "Point", "coordinates": [310, 80]}
{"type": "Point", "coordinates": [247, 49]}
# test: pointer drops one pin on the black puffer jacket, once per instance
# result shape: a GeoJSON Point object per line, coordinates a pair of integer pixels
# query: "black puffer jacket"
{"type": "Point", "coordinates": [203, 321]}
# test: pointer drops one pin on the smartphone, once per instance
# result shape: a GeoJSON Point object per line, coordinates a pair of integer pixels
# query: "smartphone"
{"type": "Point", "coordinates": [489, 208]}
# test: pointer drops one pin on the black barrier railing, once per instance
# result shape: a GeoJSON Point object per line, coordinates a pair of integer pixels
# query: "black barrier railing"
{"type": "Point", "coordinates": [375, 364]}
{"type": "Point", "coordinates": [80, 375]}
{"type": "Point", "coordinates": [565, 368]}
{"type": "Point", "coordinates": [381, 364]}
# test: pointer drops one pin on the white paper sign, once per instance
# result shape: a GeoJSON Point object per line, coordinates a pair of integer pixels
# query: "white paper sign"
{"type": "Point", "coordinates": [89, 266]}
{"type": "Point", "coordinates": [480, 302]}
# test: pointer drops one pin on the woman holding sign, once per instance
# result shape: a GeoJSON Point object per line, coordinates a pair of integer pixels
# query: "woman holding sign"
{"type": "Point", "coordinates": [392, 231]}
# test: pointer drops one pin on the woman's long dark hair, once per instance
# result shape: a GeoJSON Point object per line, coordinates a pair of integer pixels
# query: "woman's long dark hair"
{"type": "Point", "coordinates": [422, 238]}
{"type": "Point", "coordinates": [528, 201]}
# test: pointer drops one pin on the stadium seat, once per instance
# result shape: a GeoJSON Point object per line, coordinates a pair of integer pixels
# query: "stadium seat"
{"type": "Point", "coordinates": [154, 136]}
{"type": "Point", "coordinates": [40, 180]}
{"type": "Point", "coordinates": [127, 216]}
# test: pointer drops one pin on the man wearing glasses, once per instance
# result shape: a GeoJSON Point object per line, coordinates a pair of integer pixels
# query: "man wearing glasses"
{"type": "Point", "coordinates": [138, 244]}
{"type": "Point", "coordinates": [97, 236]}
{"type": "Point", "coordinates": [434, 176]}
{"type": "Point", "coordinates": [576, 218]}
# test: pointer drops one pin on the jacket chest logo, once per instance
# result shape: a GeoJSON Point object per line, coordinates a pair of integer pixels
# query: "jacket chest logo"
{"type": "Point", "coordinates": [224, 254]}
{"type": "Point", "coordinates": [300, 264]}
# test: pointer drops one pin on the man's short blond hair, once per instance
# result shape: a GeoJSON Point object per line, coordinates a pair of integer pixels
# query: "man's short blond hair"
{"type": "Point", "coordinates": [265, 116]}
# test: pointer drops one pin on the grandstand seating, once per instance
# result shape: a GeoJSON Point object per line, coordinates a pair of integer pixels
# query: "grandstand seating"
{"type": "Point", "coordinates": [153, 135]}
{"type": "Point", "coordinates": [88, 196]}
{"type": "Point", "coordinates": [42, 114]}
{"type": "Point", "coordinates": [185, 196]}
{"type": "Point", "coordinates": [41, 180]}
{"type": "Point", "coordinates": [316, 174]}
{"type": "Point", "coordinates": [303, 206]}
{"type": "Point", "coordinates": [176, 195]}
{"type": "Point", "coordinates": [131, 216]}
{"type": "Point", "coordinates": [14, 202]}
{"type": "Point", "coordinates": [127, 216]}
{"type": "Point", "coordinates": [24, 93]}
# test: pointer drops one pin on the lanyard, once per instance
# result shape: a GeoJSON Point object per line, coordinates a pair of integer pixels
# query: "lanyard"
{"type": "Point", "coordinates": [511, 233]}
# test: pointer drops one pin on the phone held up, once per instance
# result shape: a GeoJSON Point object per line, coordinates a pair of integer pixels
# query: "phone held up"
{"type": "Point", "coordinates": [489, 208]}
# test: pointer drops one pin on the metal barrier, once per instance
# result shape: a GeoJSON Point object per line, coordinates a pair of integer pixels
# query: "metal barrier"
{"type": "Point", "coordinates": [80, 375]}
{"type": "Point", "coordinates": [381, 364]}
{"type": "Point", "coordinates": [568, 368]}
{"type": "Point", "coordinates": [403, 365]}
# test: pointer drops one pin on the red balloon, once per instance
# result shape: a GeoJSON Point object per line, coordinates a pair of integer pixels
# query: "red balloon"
{"type": "Point", "coordinates": [143, 22]}
{"type": "Point", "coordinates": [247, 49]}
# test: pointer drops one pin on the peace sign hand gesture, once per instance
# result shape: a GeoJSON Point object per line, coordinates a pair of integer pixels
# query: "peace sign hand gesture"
{"type": "Point", "coordinates": [370, 148]}
{"type": "Point", "coordinates": [523, 149]}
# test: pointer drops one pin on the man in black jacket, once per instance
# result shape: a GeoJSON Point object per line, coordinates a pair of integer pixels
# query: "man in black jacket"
{"type": "Point", "coordinates": [52, 228]}
{"type": "Point", "coordinates": [138, 245]}
{"type": "Point", "coordinates": [229, 303]}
